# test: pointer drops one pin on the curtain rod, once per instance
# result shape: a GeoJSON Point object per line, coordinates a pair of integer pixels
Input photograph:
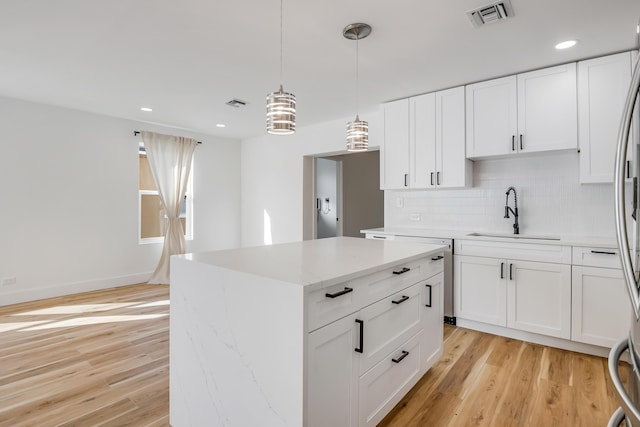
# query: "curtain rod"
{"type": "Point", "coordinates": [137, 132]}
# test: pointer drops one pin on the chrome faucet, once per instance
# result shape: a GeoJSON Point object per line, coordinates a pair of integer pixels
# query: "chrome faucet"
{"type": "Point", "coordinates": [507, 209]}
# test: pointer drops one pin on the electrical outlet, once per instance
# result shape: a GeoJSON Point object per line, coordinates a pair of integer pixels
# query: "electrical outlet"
{"type": "Point", "coordinates": [415, 217]}
{"type": "Point", "coordinates": [6, 281]}
{"type": "Point", "coordinates": [399, 202]}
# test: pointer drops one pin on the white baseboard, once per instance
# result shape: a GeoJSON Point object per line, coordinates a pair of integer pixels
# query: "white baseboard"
{"type": "Point", "coordinates": [534, 338]}
{"type": "Point", "coordinates": [27, 295]}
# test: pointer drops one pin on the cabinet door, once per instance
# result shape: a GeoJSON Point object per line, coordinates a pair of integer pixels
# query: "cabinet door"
{"type": "Point", "coordinates": [433, 306]}
{"type": "Point", "coordinates": [601, 311]}
{"type": "Point", "coordinates": [491, 118]}
{"type": "Point", "coordinates": [451, 162]}
{"type": "Point", "coordinates": [395, 150]}
{"type": "Point", "coordinates": [539, 298]}
{"type": "Point", "coordinates": [331, 394]}
{"type": "Point", "coordinates": [547, 109]}
{"type": "Point", "coordinates": [480, 292]}
{"type": "Point", "coordinates": [422, 154]}
{"type": "Point", "coordinates": [602, 91]}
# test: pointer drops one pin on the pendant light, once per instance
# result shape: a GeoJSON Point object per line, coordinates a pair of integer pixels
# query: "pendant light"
{"type": "Point", "coordinates": [357, 130]}
{"type": "Point", "coordinates": [281, 105]}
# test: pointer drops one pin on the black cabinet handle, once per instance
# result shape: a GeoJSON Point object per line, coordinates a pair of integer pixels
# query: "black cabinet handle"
{"type": "Point", "coordinates": [405, 179]}
{"type": "Point", "coordinates": [603, 252]}
{"type": "Point", "coordinates": [521, 141]}
{"type": "Point", "coordinates": [628, 168]}
{"type": "Point", "coordinates": [380, 237]}
{"type": "Point", "coordinates": [401, 300]}
{"type": "Point", "coordinates": [431, 178]}
{"type": "Point", "coordinates": [360, 347]}
{"type": "Point", "coordinates": [437, 258]}
{"type": "Point", "coordinates": [404, 270]}
{"type": "Point", "coordinates": [502, 270]}
{"type": "Point", "coordinates": [513, 143]}
{"type": "Point", "coordinates": [510, 271]}
{"type": "Point", "coordinates": [337, 294]}
{"type": "Point", "coordinates": [399, 359]}
{"type": "Point", "coordinates": [438, 178]}
{"type": "Point", "coordinates": [430, 296]}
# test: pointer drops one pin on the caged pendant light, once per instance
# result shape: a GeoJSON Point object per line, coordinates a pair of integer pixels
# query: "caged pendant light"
{"type": "Point", "coordinates": [281, 105]}
{"type": "Point", "coordinates": [357, 130]}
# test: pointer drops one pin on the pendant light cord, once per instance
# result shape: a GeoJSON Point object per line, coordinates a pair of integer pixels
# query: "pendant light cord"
{"type": "Point", "coordinates": [281, 55]}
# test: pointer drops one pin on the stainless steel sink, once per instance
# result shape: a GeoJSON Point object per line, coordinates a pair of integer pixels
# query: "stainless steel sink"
{"type": "Point", "coordinates": [513, 236]}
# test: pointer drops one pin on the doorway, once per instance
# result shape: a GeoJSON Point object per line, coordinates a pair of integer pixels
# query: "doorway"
{"type": "Point", "coordinates": [342, 194]}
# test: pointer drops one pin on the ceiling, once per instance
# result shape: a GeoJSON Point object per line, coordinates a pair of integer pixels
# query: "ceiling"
{"type": "Point", "coordinates": [187, 58]}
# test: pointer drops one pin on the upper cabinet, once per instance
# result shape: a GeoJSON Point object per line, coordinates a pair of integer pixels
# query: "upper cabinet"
{"type": "Point", "coordinates": [602, 91]}
{"type": "Point", "coordinates": [424, 142]}
{"type": "Point", "coordinates": [530, 112]}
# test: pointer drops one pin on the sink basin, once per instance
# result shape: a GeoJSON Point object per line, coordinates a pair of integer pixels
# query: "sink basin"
{"type": "Point", "coordinates": [513, 236]}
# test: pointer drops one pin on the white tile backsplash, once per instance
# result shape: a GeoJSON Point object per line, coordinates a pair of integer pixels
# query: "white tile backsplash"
{"type": "Point", "coordinates": [551, 200]}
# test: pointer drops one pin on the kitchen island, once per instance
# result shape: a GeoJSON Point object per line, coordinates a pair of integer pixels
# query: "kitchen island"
{"type": "Point", "coordinates": [322, 332]}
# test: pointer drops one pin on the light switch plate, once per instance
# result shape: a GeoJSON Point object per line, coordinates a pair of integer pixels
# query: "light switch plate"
{"type": "Point", "coordinates": [399, 202]}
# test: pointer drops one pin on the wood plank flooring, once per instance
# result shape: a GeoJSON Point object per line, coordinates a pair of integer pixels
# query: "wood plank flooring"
{"type": "Point", "coordinates": [102, 359]}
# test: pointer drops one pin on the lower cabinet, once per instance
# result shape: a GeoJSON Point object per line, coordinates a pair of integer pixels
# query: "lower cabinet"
{"type": "Point", "coordinates": [601, 310]}
{"type": "Point", "coordinates": [524, 295]}
{"type": "Point", "coordinates": [360, 366]}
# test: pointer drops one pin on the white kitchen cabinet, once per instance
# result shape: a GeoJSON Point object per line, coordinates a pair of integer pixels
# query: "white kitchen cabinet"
{"type": "Point", "coordinates": [602, 90]}
{"type": "Point", "coordinates": [520, 292]}
{"type": "Point", "coordinates": [527, 113]}
{"type": "Point", "coordinates": [333, 372]}
{"type": "Point", "coordinates": [425, 142]}
{"type": "Point", "coordinates": [539, 298]}
{"type": "Point", "coordinates": [479, 289]}
{"type": "Point", "coordinates": [601, 311]}
{"type": "Point", "coordinates": [395, 150]}
{"type": "Point", "coordinates": [361, 365]}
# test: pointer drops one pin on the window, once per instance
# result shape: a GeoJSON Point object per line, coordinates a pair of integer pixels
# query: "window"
{"type": "Point", "coordinates": [151, 215]}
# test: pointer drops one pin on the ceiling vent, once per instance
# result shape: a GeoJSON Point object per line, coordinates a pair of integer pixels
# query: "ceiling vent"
{"type": "Point", "coordinates": [490, 13]}
{"type": "Point", "coordinates": [237, 103]}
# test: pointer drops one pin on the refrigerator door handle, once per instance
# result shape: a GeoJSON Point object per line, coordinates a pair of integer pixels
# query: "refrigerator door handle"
{"type": "Point", "coordinates": [619, 191]}
{"type": "Point", "coordinates": [630, 411]}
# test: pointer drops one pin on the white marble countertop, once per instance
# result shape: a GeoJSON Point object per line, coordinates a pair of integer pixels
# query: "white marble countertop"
{"type": "Point", "coordinates": [316, 263]}
{"type": "Point", "coordinates": [601, 242]}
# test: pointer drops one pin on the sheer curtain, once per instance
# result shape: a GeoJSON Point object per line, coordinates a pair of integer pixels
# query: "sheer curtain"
{"type": "Point", "coordinates": [170, 161]}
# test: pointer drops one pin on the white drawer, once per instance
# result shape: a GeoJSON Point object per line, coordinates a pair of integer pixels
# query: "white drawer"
{"type": "Point", "coordinates": [386, 282]}
{"type": "Point", "coordinates": [596, 257]}
{"type": "Point", "coordinates": [329, 304]}
{"type": "Point", "coordinates": [388, 323]}
{"type": "Point", "coordinates": [517, 251]}
{"type": "Point", "coordinates": [386, 383]}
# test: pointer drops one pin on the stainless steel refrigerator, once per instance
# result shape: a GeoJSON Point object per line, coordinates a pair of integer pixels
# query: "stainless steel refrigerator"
{"type": "Point", "coordinates": [627, 199]}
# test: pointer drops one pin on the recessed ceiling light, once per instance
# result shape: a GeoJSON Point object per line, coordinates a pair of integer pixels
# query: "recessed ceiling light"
{"type": "Point", "coordinates": [146, 109]}
{"type": "Point", "coordinates": [566, 45]}
{"type": "Point", "coordinates": [220, 125]}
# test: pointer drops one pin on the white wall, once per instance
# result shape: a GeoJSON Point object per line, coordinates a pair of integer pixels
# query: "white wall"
{"type": "Point", "coordinates": [69, 212]}
{"type": "Point", "coordinates": [551, 200]}
{"type": "Point", "coordinates": [272, 175]}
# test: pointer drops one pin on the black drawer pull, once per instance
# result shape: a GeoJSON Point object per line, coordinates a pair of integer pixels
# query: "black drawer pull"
{"type": "Point", "coordinates": [401, 300]}
{"type": "Point", "coordinates": [404, 270]}
{"type": "Point", "coordinates": [604, 253]}
{"type": "Point", "coordinates": [521, 142]}
{"type": "Point", "coordinates": [360, 348]}
{"type": "Point", "coordinates": [430, 296]}
{"type": "Point", "coordinates": [380, 237]}
{"type": "Point", "coordinates": [510, 271]}
{"type": "Point", "coordinates": [502, 270]}
{"type": "Point", "coordinates": [399, 359]}
{"type": "Point", "coordinates": [438, 258]}
{"type": "Point", "coordinates": [337, 294]}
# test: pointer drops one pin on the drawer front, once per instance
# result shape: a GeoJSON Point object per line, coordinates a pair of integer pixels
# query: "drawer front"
{"type": "Point", "coordinates": [386, 282]}
{"type": "Point", "coordinates": [596, 257]}
{"type": "Point", "coordinates": [390, 322]}
{"type": "Point", "coordinates": [386, 383]}
{"type": "Point", "coordinates": [517, 251]}
{"type": "Point", "coordinates": [329, 304]}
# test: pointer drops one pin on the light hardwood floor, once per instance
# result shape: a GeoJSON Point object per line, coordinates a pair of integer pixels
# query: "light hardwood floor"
{"type": "Point", "coordinates": [102, 359]}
